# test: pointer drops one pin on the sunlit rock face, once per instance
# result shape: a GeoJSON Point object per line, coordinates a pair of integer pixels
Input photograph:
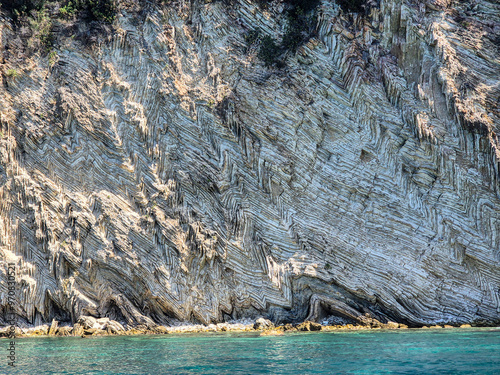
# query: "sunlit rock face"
{"type": "Point", "coordinates": [166, 173]}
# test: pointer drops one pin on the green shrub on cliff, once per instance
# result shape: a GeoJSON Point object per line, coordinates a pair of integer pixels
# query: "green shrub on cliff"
{"type": "Point", "coordinates": [269, 50]}
{"type": "Point", "coordinates": [43, 17]}
{"type": "Point", "coordinates": [356, 6]}
{"type": "Point", "coordinates": [299, 27]}
{"type": "Point", "coordinates": [19, 7]}
{"type": "Point", "coordinates": [98, 10]}
{"type": "Point", "coordinates": [68, 10]}
{"type": "Point", "coordinates": [42, 27]}
{"type": "Point", "coordinates": [103, 10]}
{"type": "Point", "coordinates": [12, 73]}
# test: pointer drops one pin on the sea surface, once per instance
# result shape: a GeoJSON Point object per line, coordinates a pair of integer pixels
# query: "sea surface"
{"type": "Point", "coordinates": [445, 351]}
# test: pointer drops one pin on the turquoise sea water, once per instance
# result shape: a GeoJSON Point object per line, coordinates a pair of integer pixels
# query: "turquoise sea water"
{"type": "Point", "coordinates": [457, 351]}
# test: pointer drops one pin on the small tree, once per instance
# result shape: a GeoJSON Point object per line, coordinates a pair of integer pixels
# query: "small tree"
{"type": "Point", "coordinates": [269, 50]}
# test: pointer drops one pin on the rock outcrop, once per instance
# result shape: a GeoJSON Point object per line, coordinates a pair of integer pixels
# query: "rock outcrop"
{"type": "Point", "coordinates": [262, 323]}
{"type": "Point", "coordinates": [167, 174]}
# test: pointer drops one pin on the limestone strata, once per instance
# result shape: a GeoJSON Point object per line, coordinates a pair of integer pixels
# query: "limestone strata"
{"type": "Point", "coordinates": [168, 174]}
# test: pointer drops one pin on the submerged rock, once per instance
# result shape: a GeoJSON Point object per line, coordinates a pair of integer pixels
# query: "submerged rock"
{"type": "Point", "coordinates": [272, 333]}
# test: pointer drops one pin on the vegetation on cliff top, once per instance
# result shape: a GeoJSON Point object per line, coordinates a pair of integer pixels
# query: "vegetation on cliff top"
{"type": "Point", "coordinates": [99, 10]}
{"type": "Point", "coordinates": [300, 18]}
{"type": "Point", "coordinates": [44, 16]}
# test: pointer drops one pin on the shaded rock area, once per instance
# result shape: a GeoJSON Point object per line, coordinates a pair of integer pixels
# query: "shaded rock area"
{"type": "Point", "coordinates": [167, 174]}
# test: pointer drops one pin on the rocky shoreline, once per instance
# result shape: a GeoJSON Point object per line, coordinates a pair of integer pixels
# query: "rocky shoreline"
{"type": "Point", "coordinates": [163, 169]}
{"type": "Point", "coordinates": [88, 326]}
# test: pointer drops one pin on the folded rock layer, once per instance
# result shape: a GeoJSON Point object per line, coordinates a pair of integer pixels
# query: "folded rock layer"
{"type": "Point", "coordinates": [166, 173]}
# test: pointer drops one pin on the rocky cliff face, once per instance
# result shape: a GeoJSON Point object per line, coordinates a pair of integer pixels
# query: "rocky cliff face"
{"type": "Point", "coordinates": [166, 173]}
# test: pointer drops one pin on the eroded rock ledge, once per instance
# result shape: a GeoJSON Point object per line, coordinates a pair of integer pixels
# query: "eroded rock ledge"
{"type": "Point", "coordinates": [87, 326]}
{"type": "Point", "coordinates": [167, 174]}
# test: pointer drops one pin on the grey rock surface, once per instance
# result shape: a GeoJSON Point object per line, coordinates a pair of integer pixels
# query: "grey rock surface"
{"type": "Point", "coordinates": [166, 174]}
